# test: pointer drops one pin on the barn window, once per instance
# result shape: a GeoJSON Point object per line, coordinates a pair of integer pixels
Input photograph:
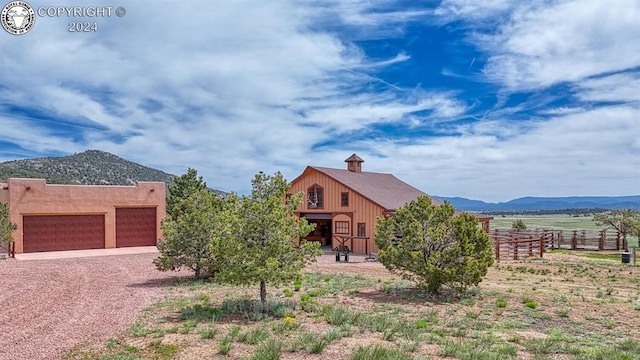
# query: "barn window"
{"type": "Point", "coordinates": [344, 199]}
{"type": "Point", "coordinates": [342, 227]}
{"type": "Point", "coordinates": [362, 229]}
{"type": "Point", "coordinates": [315, 197]}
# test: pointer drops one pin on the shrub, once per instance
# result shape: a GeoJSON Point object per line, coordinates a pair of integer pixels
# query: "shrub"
{"type": "Point", "coordinates": [519, 224]}
{"type": "Point", "coordinates": [530, 304]}
{"type": "Point", "coordinates": [200, 313]}
{"type": "Point", "coordinates": [225, 345]}
{"type": "Point", "coordinates": [268, 350]}
{"type": "Point", "coordinates": [378, 352]}
{"type": "Point", "coordinates": [427, 244]}
{"type": "Point", "coordinates": [208, 333]}
{"type": "Point", "coordinates": [5, 226]}
{"type": "Point", "coordinates": [187, 234]}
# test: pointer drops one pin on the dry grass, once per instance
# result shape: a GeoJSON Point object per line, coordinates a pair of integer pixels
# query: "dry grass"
{"type": "Point", "coordinates": [564, 306]}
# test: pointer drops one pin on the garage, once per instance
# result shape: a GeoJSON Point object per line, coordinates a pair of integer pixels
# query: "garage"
{"type": "Point", "coordinates": [135, 227]}
{"type": "Point", "coordinates": [62, 232]}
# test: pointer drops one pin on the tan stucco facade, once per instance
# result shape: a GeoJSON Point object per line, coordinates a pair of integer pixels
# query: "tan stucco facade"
{"type": "Point", "coordinates": [35, 197]}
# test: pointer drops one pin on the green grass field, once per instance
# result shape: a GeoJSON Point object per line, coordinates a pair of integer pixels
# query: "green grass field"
{"type": "Point", "coordinates": [556, 222]}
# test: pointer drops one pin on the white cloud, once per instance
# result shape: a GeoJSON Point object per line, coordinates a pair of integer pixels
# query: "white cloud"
{"type": "Point", "coordinates": [541, 43]}
{"type": "Point", "coordinates": [229, 80]}
{"type": "Point", "coordinates": [588, 153]}
{"type": "Point", "coordinates": [471, 9]}
{"type": "Point", "coordinates": [243, 86]}
{"type": "Point", "coordinates": [367, 19]}
{"type": "Point", "coordinates": [615, 88]}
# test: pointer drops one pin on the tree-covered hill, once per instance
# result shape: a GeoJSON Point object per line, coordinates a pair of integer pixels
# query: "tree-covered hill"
{"type": "Point", "coordinates": [7, 172]}
{"type": "Point", "coordinates": [92, 167]}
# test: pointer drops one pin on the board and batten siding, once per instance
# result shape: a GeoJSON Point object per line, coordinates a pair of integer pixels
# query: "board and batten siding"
{"type": "Point", "coordinates": [359, 210]}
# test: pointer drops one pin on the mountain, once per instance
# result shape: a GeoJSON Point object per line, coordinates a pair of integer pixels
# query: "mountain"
{"type": "Point", "coordinates": [547, 203]}
{"type": "Point", "coordinates": [92, 167]}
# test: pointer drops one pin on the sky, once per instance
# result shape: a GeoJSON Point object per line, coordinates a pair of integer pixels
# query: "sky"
{"type": "Point", "coordinates": [488, 100]}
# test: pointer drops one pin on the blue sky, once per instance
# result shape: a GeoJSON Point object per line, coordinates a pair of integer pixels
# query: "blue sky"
{"type": "Point", "coordinates": [489, 100]}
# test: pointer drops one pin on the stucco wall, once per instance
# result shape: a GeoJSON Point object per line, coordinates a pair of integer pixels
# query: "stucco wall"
{"type": "Point", "coordinates": [4, 193]}
{"type": "Point", "coordinates": [36, 197]}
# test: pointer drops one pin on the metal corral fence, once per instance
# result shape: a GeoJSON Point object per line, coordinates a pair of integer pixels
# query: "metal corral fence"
{"type": "Point", "coordinates": [516, 243]}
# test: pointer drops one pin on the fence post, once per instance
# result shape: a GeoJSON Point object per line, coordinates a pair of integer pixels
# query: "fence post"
{"type": "Point", "coordinates": [497, 246]}
{"type": "Point", "coordinates": [601, 244]}
{"type": "Point", "coordinates": [574, 240]}
{"type": "Point", "coordinates": [515, 250]}
{"type": "Point", "coordinates": [560, 238]}
{"type": "Point", "coordinates": [618, 241]}
{"type": "Point", "coordinates": [542, 245]}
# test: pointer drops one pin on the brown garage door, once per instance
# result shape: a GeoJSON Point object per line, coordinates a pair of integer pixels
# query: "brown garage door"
{"type": "Point", "coordinates": [135, 227]}
{"type": "Point", "coordinates": [62, 232]}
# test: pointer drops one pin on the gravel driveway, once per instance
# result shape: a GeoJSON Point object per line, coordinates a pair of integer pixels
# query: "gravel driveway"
{"type": "Point", "coordinates": [49, 306]}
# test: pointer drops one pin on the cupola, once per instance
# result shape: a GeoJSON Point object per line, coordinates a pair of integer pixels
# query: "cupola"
{"type": "Point", "coordinates": [354, 163]}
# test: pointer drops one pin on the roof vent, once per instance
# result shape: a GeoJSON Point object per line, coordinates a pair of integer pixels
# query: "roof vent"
{"type": "Point", "coordinates": [354, 163]}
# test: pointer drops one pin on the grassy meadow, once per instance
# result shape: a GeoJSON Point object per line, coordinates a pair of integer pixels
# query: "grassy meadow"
{"type": "Point", "coordinates": [553, 222]}
{"type": "Point", "coordinates": [556, 222]}
{"type": "Point", "coordinates": [567, 305]}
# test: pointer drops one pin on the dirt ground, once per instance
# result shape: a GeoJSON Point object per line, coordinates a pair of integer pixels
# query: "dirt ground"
{"type": "Point", "coordinates": [49, 306]}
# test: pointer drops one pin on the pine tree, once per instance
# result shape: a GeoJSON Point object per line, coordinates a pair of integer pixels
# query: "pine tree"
{"type": "Point", "coordinates": [259, 244]}
{"type": "Point", "coordinates": [182, 187]}
{"type": "Point", "coordinates": [431, 246]}
{"type": "Point", "coordinates": [188, 235]}
{"type": "Point", "coordinates": [6, 229]}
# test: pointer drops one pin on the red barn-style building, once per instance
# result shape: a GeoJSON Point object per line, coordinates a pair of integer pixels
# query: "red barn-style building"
{"type": "Point", "coordinates": [345, 203]}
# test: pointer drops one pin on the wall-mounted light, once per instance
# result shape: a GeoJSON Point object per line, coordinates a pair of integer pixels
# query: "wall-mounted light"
{"type": "Point", "coordinates": [152, 190]}
{"type": "Point", "coordinates": [28, 188]}
{"type": "Point", "coordinates": [15, 226]}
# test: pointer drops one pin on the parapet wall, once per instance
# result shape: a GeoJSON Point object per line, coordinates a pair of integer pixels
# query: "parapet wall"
{"type": "Point", "coordinates": [36, 197]}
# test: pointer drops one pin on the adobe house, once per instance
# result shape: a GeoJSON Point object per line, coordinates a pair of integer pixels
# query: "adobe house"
{"type": "Point", "coordinates": [50, 217]}
{"type": "Point", "coordinates": [345, 203]}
